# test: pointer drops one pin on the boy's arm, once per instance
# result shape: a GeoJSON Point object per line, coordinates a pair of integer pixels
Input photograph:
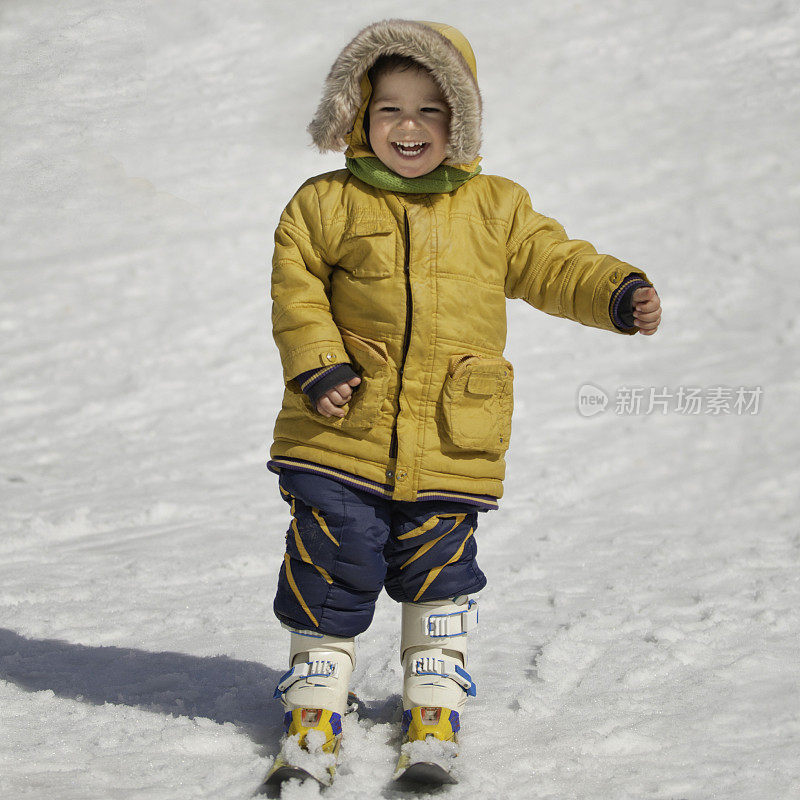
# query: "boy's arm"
{"type": "Point", "coordinates": [302, 323]}
{"type": "Point", "coordinates": [567, 277]}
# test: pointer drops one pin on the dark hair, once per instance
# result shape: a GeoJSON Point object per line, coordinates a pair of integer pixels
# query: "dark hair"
{"type": "Point", "coordinates": [393, 63]}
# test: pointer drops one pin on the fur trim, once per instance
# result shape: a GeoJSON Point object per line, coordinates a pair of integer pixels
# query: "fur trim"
{"type": "Point", "coordinates": [341, 98]}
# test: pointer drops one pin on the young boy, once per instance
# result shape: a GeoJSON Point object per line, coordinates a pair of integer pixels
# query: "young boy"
{"type": "Point", "coordinates": [390, 279]}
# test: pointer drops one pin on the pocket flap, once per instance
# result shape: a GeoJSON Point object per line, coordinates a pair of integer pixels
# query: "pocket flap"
{"type": "Point", "coordinates": [370, 226]}
{"type": "Point", "coordinates": [365, 352]}
{"type": "Point", "coordinates": [482, 383]}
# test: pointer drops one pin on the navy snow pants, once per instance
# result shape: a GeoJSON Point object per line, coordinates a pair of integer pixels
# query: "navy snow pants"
{"type": "Point", "coordinates": [344, 545]}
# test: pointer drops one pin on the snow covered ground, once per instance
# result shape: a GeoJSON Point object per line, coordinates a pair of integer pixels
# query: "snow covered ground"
{"type": "Point", "coordinates": [640, 634]}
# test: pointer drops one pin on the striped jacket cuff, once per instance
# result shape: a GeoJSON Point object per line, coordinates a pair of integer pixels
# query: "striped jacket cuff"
{"type": "Point", "coordinates": [621, 304]}
{"type": "Point", "coordinates": [315, 382]}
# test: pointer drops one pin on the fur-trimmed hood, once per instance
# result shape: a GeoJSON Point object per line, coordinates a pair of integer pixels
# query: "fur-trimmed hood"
{"type": "Point", "coordinates": [442, 49]}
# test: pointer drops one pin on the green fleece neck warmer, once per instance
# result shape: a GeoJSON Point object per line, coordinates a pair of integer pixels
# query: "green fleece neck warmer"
{"type": "Point", "coordinates": [443, 179]}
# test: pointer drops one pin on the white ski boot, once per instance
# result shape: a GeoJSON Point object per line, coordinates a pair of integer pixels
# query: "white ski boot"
{"type": "Point", "coordinates": [436, 685]}
{"type": "Point", "coordinates": [314, 694]}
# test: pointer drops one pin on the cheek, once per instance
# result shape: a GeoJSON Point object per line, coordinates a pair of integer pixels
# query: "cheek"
{"type": "Point", "coordinates": [375, 133]}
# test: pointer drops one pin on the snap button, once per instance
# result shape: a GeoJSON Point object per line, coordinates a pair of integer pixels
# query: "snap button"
{"type": "Point", "coordinates": [330, 357]}
{"type": "Point", "coordinates": [401, 474]}
{"type": "Point", "coordinates": [389, 473]}
{"type": "Point", "coordinates": [615, 276]}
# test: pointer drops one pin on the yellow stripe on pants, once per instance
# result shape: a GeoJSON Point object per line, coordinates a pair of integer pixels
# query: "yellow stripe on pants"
{"type": "Point", "coordinates": [324, 525]}
{"type": "Point", "coordinates": [290, 578]}
{"type": "Point", "coordinates": [304, 553]}
{"type": "Point", "coordinates": [426, 526]}
{"type": "Point", "coordinates": [436, 570]}
{"type": "Point", "coordinates": [427, 546]}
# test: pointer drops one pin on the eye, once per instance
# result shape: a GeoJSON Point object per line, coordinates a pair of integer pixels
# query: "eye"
{"type": "Point", "coordinates": [433, 109]}
{"type": "Point", "coordinates": [387, 108]}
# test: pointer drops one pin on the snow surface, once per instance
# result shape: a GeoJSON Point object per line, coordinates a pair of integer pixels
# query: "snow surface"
{"type": "Point", "coordinates": [640, 633]}
{"type": "Point", "coordinates": [312, 758]}
{"type": "Point", "coordinates": [433, 751]}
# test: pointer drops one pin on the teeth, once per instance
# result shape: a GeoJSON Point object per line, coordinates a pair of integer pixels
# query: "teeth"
{"type": "Point", "coordinates": [409, 145]}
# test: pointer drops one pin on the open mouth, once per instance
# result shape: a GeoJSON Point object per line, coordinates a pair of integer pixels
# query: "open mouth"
{"type": "Point", "coordinates": [410, 149]}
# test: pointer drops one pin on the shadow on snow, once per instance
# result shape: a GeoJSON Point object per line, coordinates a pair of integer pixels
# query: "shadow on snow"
{"type": "Point", "coordinates": [218, 688]}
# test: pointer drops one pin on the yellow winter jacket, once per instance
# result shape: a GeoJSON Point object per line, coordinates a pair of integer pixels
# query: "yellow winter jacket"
{"type": "Point", "coordinates": [411, 289]}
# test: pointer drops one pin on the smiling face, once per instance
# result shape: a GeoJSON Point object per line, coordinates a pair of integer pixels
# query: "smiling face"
{"type": "Point", "coordinates": [409, 122]}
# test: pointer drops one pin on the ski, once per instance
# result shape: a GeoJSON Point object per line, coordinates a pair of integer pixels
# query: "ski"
{"type": "Point", "coordinates": [428, 773]}
{"type": "Point", "coordinates": [430, 746]}
{"type": "Point", "coordinates": [282, 771]}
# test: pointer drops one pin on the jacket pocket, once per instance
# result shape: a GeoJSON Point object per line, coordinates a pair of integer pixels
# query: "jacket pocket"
{"type": "Point", "coordinates": [371, 362]}
{"type": "Point", "coordinates": [367, 248]}
{"type": "Point", "coordinates": [477, 403]}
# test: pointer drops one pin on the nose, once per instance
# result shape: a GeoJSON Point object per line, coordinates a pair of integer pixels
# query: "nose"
{"type": "Point", "coordinates": [409, 121]}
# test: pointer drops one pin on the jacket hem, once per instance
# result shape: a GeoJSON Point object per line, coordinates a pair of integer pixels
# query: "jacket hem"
{"type": "Point", "coordinates": [482, 502]}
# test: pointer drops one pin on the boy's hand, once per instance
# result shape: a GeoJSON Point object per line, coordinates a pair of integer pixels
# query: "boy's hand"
{"type": "Point", "coordinates": [329, 404]}
{"type": "Point", "coordinates": [646, 310]}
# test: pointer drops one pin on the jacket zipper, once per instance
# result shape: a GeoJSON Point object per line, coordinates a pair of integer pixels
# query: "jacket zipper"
{"type": "Point", "coordinates": [407, 332]}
